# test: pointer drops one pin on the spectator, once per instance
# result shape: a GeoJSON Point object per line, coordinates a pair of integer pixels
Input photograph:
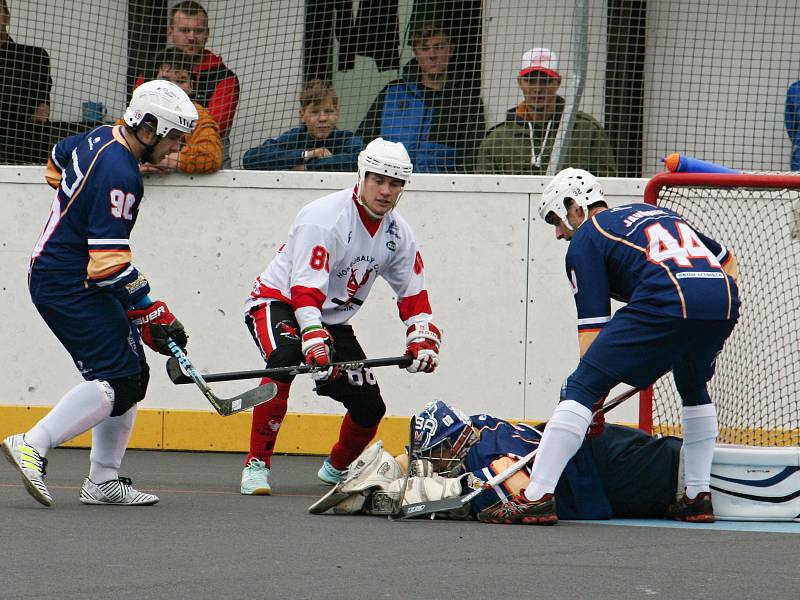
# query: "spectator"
{"type": "Point", "coordinates": [314, 146]}
{"type": "Point", "coordinates": [216, 87]}
{"type": "Point", "coordinates": [202, 149]}
{"type": "Point", "coordinates": [25, 86]}
{"type": "Point", "coordinates": [523, 143]}
{"type": "Point", "coordinates": [792, 121]}
{"type": "Point", "coordinates": [436, 116]}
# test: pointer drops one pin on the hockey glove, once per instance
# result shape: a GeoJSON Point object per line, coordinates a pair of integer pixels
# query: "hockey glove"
{"type": "Point", "coordinates": [317, 347]}
{"type": "Point", "coordinates": [157, 326]}
{"type": "Point", "coordinates": [422, 345]}
{"type": "Point", "coordinates": [598, 424]}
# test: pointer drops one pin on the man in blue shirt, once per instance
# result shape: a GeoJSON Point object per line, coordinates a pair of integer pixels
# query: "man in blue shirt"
{"type": "Point", "coordinates": [85, 287]}
{"type": "Point", "coordinates": [682, 304]}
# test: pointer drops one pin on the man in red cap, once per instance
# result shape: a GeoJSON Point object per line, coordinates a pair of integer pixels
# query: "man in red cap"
{"type": "Point", "coordinates": [523, 143]}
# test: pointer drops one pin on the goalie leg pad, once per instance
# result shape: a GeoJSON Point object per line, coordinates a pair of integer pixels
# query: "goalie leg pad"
{"type": "Point", "coordinates": [373, 469]}
{"type": "Point", "coordinates": [754, 483]}
{"type": "Point", "coordinates": [435, 487]}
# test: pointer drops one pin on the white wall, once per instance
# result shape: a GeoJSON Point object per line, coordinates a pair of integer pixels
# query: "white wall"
{"type": "Point", "coordinates": [495, 277]}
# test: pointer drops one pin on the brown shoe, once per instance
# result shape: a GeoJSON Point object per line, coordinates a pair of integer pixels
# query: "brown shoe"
{"type": "Point", "coordinates": [518, 509]}
{"type": "Point", "coordinates": [697, 510]}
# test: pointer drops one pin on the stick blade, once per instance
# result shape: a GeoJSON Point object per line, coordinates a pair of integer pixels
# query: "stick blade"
{"type": "Point", "coordinates": [249, 399]}
{"type": "Point", "coordinates": [175, 373]}
{"type": "Point", "coordinates": [423, 509]}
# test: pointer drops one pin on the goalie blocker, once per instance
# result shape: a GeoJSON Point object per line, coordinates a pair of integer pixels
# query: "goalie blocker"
{"type": "Point", "coordinates": [747, 484]}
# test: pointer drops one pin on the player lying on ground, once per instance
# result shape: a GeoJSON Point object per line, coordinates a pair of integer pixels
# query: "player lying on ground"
{"type": "Point", "coordinates": [300, 306]}
{"type": "Point", "coordinates": [91, 296]}
{"type": "Point", "coordinates": [617, 472]}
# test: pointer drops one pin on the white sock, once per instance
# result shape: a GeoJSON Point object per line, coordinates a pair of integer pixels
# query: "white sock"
{"type": "Point", "coordinates": [561, 439]}
{"type": "Point", "coordinates": [699, 438]}
{"type": "Point", "coordinates": [81, 408]}
{"type": "Point", "coordinates": [109, 442]}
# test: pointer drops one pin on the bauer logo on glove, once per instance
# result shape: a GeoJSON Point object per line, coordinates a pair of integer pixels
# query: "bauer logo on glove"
{"type": "Point", "coordinates": [158, 326]}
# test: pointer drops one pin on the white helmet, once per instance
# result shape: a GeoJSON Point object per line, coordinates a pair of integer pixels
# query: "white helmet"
{"type": "Point", "coordinates": [385, 158]}
{"type": "Point", "coordinates": [169, 104]}
{"type": "Point", "coordinates": [577, 184]}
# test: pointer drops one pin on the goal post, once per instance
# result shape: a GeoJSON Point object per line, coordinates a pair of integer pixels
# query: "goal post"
{"type": "Point", "coordinates": [757, 383]}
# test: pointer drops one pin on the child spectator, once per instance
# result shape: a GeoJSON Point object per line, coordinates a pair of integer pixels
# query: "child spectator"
{"type": "Point", "coordinates": [314, 146]}
{"type": "Point", "coordinates": [202, 149]}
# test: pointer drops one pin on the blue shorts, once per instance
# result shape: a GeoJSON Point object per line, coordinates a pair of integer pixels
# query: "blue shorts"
{"type": "Point", "coordinates": [637, 348]}
{"type": "Point", "coordinates": [95, 330]}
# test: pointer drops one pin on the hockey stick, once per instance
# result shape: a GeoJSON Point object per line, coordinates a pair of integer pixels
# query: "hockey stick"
{"type": "Point", "coordinates": [177, 375]}
{"type": "Point", "coordinates": [224, 406]}
{"type": "Point", "coordinates": [419, 509]}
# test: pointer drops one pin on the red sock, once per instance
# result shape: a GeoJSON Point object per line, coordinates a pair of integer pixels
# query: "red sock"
{"type": "Point", "coordinates": [353, 438]}
{"type": "Point", "coordinates": [267, 419]}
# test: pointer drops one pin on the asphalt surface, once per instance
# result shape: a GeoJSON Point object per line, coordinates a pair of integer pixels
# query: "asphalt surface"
{"type": "Point", "coordinates": [204, 540]}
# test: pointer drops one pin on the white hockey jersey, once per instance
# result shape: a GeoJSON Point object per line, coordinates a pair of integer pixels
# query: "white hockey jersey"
{"type": "Point", "coordinates": [332, 257]}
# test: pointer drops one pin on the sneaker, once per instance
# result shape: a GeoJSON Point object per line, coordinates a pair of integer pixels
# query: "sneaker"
{"type": "Point", "coordinates": [255, 479]}
{"type": "Point", "coordinates": [330, 474]}
{"type": "Point", "coordinates": [31, 466]}
{"type": "Point", "coordinates": [518, 509]}
{"type": "Point", "coordinates": [118, 491]}
{"type": "Point", "coordinates": [697, 510]}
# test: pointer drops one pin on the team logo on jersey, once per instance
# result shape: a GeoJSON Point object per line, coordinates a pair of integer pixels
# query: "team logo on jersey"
{"type": "Point", "coordinates": [353, 285]}
{"type": "Point", "coordinates": [288, 330]}
{"type": "Point", "coordinates": [391, 245]}
{"type": "Point", "coordinates": [92, 142]}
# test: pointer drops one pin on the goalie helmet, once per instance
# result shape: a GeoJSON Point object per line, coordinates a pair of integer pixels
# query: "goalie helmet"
{"type": "Point", "coordinates": [168, 104]}
{"type": "Point", "coordinates": [443, 434]}
{"type": "Point", "coordinates": [577, 184]}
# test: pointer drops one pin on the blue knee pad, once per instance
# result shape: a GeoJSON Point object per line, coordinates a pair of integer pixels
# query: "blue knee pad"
{"type": "Point", "coordinates": [586, 385]}
{"type": "Point", "coordinates": [695, 396]}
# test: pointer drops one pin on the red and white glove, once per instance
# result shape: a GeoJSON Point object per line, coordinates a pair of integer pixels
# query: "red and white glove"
{"type": "Point", "coordinates": [598, 424]}
{"type": "Point", "coordinates": [422, 344]}
{"type": "Point", "coordinates": [317, 347]}
{"type": "Point", "coordinates": [157, 326]}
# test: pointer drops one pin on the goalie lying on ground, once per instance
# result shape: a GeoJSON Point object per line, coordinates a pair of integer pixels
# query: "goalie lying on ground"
{"type": "Point", "coordinates": [622, 472]}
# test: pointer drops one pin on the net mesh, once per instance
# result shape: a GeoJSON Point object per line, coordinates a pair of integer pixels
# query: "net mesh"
{"type": "Point", "coordinates": [709, 79]}
{"type": "Point", "coordinates": [757, 383]}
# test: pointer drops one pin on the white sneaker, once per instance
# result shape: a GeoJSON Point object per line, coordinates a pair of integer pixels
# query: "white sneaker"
{"type": "Point", "coordinates": [255, 479]}
{"type": "Point", "coordinates": [330, 474]}
{"type": "Point", "coordinates": [31, 466]}
{"type": "Point", "coordinates": [118, 492]}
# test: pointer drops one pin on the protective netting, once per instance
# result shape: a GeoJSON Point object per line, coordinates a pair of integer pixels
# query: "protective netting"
{"type": "Point", "coordinates": [757, 383]}
{"type": "Point", "coordinates": [636, 79]}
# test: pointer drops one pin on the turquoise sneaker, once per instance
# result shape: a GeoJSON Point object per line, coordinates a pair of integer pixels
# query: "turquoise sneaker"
{"type": "Point", "coordinates": [255, 479]}
{"type": "Point", "coordinates": [330, 474]}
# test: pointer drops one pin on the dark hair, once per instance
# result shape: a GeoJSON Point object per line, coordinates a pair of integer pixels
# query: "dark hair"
{"type": "Point", "coordinates": [177, 59]}
{"type": "Point", "coordinates": [315, 92]}
{"type": "Point", "coordinates": [423, 30]}
{"type": "Point", "coordinates": [188, 7]}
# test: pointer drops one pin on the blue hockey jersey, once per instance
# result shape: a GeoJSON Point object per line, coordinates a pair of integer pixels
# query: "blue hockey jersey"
{"type": "Point", "coordinates": [651, 258]}
{"type": "Point", "coordinates": [85, 242]}
{"type": "Point", "coordinates": [579, 493]}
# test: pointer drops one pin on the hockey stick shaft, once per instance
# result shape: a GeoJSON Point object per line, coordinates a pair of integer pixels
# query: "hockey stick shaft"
{"type": "Point", "coordinates": [420, 509]}
{"type": "Point", "coordinates": [179, 377]}
{"type": "Point", "coordinates": [223, 406]}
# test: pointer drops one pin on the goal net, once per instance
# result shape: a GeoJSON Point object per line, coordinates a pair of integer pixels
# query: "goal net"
{"type": "Point", "coordinates": [757, 383]}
